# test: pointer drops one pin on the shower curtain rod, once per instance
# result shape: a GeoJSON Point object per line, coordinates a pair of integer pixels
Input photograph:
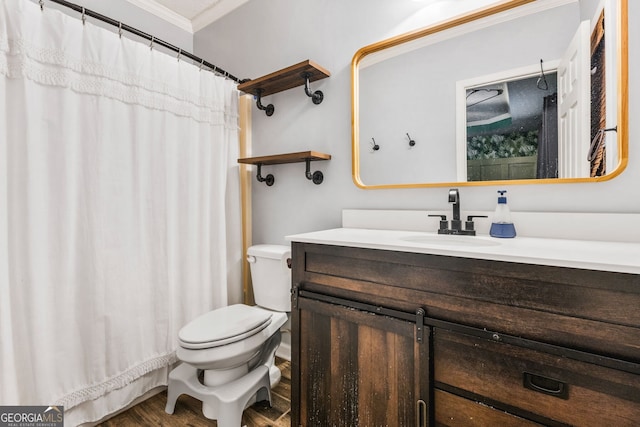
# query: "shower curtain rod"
{"type": "Point", "coordinates": [152, 39]}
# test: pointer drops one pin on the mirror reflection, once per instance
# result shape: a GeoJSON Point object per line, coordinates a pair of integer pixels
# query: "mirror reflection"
{"type": "Point", "coordinates": [530, 93]}
{"type": "Point", "coordinates": [512, 129]}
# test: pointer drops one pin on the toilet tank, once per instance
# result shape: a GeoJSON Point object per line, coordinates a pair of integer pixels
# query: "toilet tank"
{"type": "Point", "coordinates": [271, 276]}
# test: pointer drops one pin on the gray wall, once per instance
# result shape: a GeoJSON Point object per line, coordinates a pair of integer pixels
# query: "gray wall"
{"type": "Point", "coordinates": [265, 36]}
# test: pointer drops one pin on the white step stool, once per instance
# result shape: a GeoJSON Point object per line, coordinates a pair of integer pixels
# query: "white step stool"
{"type": "Point", "coordinates": [227, 400]}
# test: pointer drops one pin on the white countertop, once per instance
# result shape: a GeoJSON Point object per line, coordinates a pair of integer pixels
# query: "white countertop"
{"type": "Point", "coordinates": [585, 254]}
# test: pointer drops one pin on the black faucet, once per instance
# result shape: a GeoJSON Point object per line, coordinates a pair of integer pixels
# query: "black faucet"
{"type": "Point", "coordinates": [454, 197]}
{"type": "Point", "coordinates": [456, 222]}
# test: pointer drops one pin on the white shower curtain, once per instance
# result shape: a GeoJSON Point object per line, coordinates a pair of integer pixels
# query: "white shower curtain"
{"type": "Point", "coordinates": [118, 201]}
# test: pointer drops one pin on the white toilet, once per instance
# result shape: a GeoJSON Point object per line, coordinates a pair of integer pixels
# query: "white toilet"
{"type": "Point", "coordinates": [235, 346]}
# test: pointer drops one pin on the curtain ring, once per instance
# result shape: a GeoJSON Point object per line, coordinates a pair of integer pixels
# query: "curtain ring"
{"type": "Point", "coordinates": [201, 64]}
{"type": "Point", "coordinates": [84, 17]}
{"type": "Point", "coordinates": [41, 2]}
{"type": "Point", "coordinates": [120, 29]}
{"type": "Point", "coordinates": [179, 53]}
{"type": "Point", "coordinates": [151, 44]}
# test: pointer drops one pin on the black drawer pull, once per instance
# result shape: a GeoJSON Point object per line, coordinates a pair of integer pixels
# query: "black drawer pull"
{"type": "Point", "coordinates": [546, 385]}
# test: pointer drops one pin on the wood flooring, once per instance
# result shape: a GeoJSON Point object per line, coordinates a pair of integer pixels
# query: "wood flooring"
{"type": "Point", "coordinates": [188, 411]}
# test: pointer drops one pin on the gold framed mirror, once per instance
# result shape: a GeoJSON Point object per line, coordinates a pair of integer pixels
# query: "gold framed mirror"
{"type": "Point", "coordinates": [413, 96]}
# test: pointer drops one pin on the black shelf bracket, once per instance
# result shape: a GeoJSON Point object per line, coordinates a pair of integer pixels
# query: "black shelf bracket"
{"type": "Point", "coordinates": [278, 159]}
{"type": "Point", "coordinates": [269, 109]}
{"type": "Point", "coordinates": [316, 96]}
{"type": "Point", "coordinates": [317, 177]}
{"type": "Point", "coordinates": [269, 179]}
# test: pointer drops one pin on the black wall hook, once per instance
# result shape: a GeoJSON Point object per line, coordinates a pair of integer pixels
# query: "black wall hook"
{"type": "Point", "coordinates": [412, 142]}
{"type": "Point", "coordinates": [316, 96]}
{"type": "Point", "coordinates": [597, 141]}
{"type": "Point", "coordinates": [541, 83]}
{"type": "Point", "coordinates": [374, 146]}
{"type": "Point", "coordinates": [269, 109]}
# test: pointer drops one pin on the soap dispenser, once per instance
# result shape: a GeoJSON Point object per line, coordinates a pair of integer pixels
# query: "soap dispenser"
{"type": "Point", "coordinates": [502, 226]}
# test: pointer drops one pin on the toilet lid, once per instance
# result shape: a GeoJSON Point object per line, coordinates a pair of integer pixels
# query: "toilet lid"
{"type": "Point", "coordinates": [225, 325]}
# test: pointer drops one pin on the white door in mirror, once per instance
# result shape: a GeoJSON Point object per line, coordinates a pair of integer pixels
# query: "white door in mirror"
{"type": "Point", "coordinates": [574, 100]}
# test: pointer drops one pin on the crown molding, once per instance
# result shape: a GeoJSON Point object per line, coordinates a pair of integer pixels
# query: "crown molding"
{"type": "Point", "coordinates": [210, 15]}
{"type": "Point", "coordinates": [164, 13]}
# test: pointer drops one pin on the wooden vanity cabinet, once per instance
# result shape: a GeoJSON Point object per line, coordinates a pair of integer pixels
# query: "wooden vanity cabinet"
{"type": "Point", "coordinates": [386, 338]}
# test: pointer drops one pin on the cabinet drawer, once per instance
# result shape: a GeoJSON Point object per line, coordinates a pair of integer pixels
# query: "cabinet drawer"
{"type": "Point", "coordinates": [456, 411]}
{"type": "Point", "coordinates": [534, 384]}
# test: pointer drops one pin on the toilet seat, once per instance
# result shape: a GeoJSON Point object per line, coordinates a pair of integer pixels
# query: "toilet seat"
{"type": "Point", "coordinates": [223, 326]}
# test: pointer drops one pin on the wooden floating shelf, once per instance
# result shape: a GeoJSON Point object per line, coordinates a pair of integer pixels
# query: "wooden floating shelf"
{"type": "Point", "coordinates": [287, 78]}
{"type": "Point", "coordinates": [277, 159]}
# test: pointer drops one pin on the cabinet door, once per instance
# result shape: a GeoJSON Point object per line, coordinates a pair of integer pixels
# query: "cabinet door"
{"type": "Point", "coordinates": [357, 368]}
